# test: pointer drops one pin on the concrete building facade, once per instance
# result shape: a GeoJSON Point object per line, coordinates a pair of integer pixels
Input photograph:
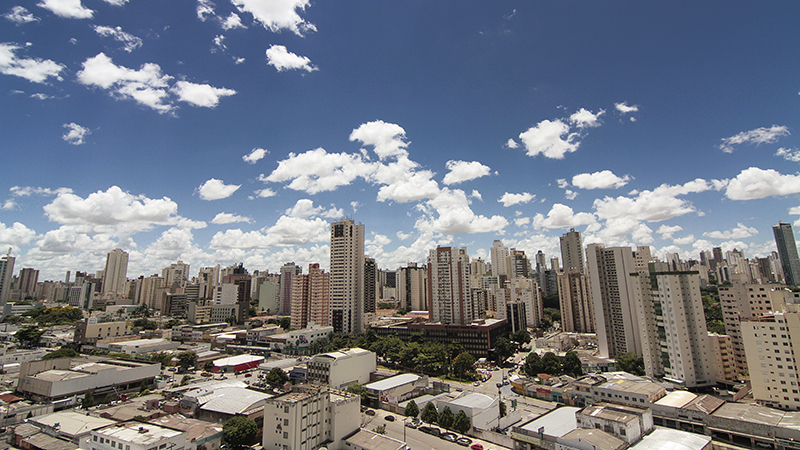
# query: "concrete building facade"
{"type": "Point", "coordinates": [347, 277]}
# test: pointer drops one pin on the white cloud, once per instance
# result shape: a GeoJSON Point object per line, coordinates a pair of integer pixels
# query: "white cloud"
{"type": "Point", "coordinates": [583, 118]}
{"type": "Point", "coordinates": [754, 183]}
{"type": "Point", "coordinates": [26, 191]}
{"type": "Point", "coordinates": [789, 154]}
{"type": "Point", "coordinates": [219, 43]}
{"type": "Point", "coordinates": [522, 221]}
{"type": "Point", "coordinates": [512, 144]}
{"type": "Point", "coordinates": [604, 179]}
{"type": "Point", "coordinates": [204, 8]}
{"type": "Point", "coordinates": [758, 136]}
{"type": "Point", "coordinates": [277, 15]}
{"type": "Point", "coordinates": [40, 96]}
{"type": "Point", "coordinates": [570, 194]}
{"type": "Point", "coordinates": [20, 15]}
{"type": "Point", "coordinates": [551, 139]}
{"type": "Point", "coordinates": [129, 41]}
{"type": "Point", "coordinates": [562, 216]}
{"type": "Point", "coordinates": [214, 189]}
{"type": "Point", "coordinates": [623, 108]}
{"type": "Point", "coordinates": [685, 240]}
{"type": "Point", "coordinates": [455, 216]}
{"type": "Point", "coordinates": [562, 183]}
{"type": "Point", "coordinates": [16, 236]}
{"type": "Point", "coordinates": [403, 236]}
{"type": "Point", "coordinates": [70, 9]}
{"type": "Point", "coordinates": [32, 69]}
{"type": "Point", "coordinates": [223, 218]}
{"type": "Point", "coordinates": [740, 232]}
{"type": "Point", "coordinates": [476, 194]}
{"type": "Point", "coordinates": [318, 171]}
{"type": "Point", "coordinates": [76, 133]}
{"type": "Point", "coordinates": [667, 231]}
{"type": "Point", "coordinates": [509, 199]}
{"type": "Point", "coordinates": [147, 86]}
{"type": "Point", "coordinates": [282, 59]}
{"type": "Point", "coordinates": [416, 186]}
{"type": "Point", "coordinates": [304, 209]}
{"type": "Point", "coordinates": [388, 139]}
{"type": "Point", "coordinates": [264, 193]}
{"type": "Point", "coordinates": [255, 155]}
{"type": "Point", "coordinates": [461, 171]}
{"type": "Point", "coordinates": [116, 2]}
{"type": "Point", "coordinates": [232, 21]}
{"type": "Point", "coordinates": [203, 95]}
{"type": "Point", "coordinates": [287, 231]}
{"type": "Point", "coordinates": [654, 206]}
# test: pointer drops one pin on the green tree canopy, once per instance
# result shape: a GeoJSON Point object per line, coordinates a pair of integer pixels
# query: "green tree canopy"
{"type": "Point", "coordinates": [29, 336]}
{"type": "Point", "coordinates": [520, 337]}
{"type": "Point", "coordinates": [446, 417]}
{"type": "Point", "coordinates": [429, 413]}
{"type": "Point", "coordinates": [631, 363]}
{"type": "Point", "coordinates": [187, 359]}
{"type": "Point", "coordinates": [463, 364]}
{"type": "Point", "coordinates": [533, 365]}
{"type": "Point", "coordinates": [462, 423]}
{"type": "Point", "coordinates": [164, 358]}
{"type": "Point", "coordinates": [239, 431]}
{"type": "Point", "coordinates": [276, 377]}
{"type": "Point", "coordinates": [503, 348]}
{"type": "Point", "coordinates": [61, 353]}
{"type": "Point", "coordinates": [571, 364]}
{"type": "Point", "coordinates": [358, 389]}
{"type": "Point", "coordinates": [412, 410]}
{"type": "Point", "coordinates": [551, 364]}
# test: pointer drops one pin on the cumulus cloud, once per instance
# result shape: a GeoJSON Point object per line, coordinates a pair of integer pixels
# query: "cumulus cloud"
{"type": "Point", "coordinates": [685, 240]}
{"type": "Point", "coordinates": [604, 179]}
{"type": "Point", "coordinates": [203, 95]}
{"type": "Point", "coordinates": [562, 216]}
{"type": "Point", "coordinates": [129, 41]}
{"type": "Point", "coordinates": [32, 69]}
{"type": "Point", "coordinates": [204, 8]}
{"type": "Point", "coordinates": [754, 183]}
{"type": "Point", "coordinates": [282, 59]}
{"type": "Point", "coordinates": [264, 193]}
{"type": "Point", "coordinates": [287, 231]}
{"type": "Point", "coordinates": [254, 156]}
{"type": "Point", "coordinates": [623, 108]}
{"type": "Point", "coordinates": [461, 171]}
{"type": "Point", "coordinates": [214, 189]}
{"type": "Point", "coordinates": [583, 118]}
{"type": "Point", "coordinates": [509, 199]}
{"type": "Point", "coordinates": [232, 21]}
{"type": "Point", "coordinates": [223, 218]}
{"type": "Point", "coordinates": [277, 15]}
{"type": "Point", "coordinates": [512, 144]}
{"type": "Point", "coordinates": [387, 139]}
{"type": "Point", "coordinates": [552, 139]}
{"type": "Point", "coordinates": [16, 235]}
{"type": "Point", "coordinates": [318, 171]}
{"type": "Point", "coordinates": [20, 15]}
{"type": "Point", "coordinates": [662, 203]}
{"type": "Point", "coordinates": [667, 231]}
{"type": "Point", "coordinates": [476, 194]}
{"type": "Point", "coordinates": [453, 215]}
{"type": "Point", "coordinates": [69, 9]}
{"type": "Point", "coordinates": [76, 133]}
{"type": "Point", "coordinates": [147, 86]}
{"type": "Point", "coordinates": [570, 194]}
{"type": "Point", "coordinates": [740, 232]}
{"type": "Point", "coordinates": [789, 154]}
{"type": "Point", "coordinates": [758, 136]}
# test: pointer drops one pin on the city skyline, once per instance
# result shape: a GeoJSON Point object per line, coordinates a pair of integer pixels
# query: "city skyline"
{"type": "Point", "coordinates": [226, 132]}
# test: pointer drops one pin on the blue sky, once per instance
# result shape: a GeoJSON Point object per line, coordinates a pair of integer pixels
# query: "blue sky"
{"type": "Point", "coordinates": [237, 130]}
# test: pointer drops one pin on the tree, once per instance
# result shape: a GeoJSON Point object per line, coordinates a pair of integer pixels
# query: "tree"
{"type": "Point", "coordinates": [412, 410]}
{"type": "Point", "coordinates": [88, 400]}
{"type": "Point", "coordinates": [285, 323]}
{"type": "Point", "coordinates": [29, 336]}
{"type": "Point", "coordinates": [276, 377]}
{"type": "Point", "coordinates": [461, 423]}
{"type": "Point", "coordinates": [162, 357]}
{"type": "Point", "coordinates": [520, 336]}
{"type": "Point", "coordinates": [61, 353]}
{"type": "Point", "coordinates": [533, 365]}
{"type": "Point", "coordinates": [239, 431]}
{"type": "Point", "coordinates": [358, 389]}
{"type": "Point", "coordinates": [502, 409]}
{"type": "Point", "coordinates": [187, 359]}
{"type": "Point", "coordinates": [381, 429]}
{"type": "Point", "coordinates": [572, 364]}
{"type": "Point", "coordinates": [463, 363]}
{"type": "Point", "coordinates": [551, 365]}
{"type": "Point", "coordinates": [429, 413]}
{"type": "Point", "coordinates": [185, 380]}
{"type": "Point", "coordinates": [141, 311]}
{"type": "Point", "coordinates": [631, 363]}
{"type": "Point", "coordinates": [503, 348]}
{"type": "Point", "coordinates": [208, 366]}
{"type": "Point", "coordinates": [446, 418]}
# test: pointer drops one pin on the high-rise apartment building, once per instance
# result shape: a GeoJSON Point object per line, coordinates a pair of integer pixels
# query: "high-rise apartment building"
{"type": "Point", "coordinates": [576, 302]}
{"type": "Point", "coordinates": [176, 274]}
{"type": "Point", "coordinates": [448, 286]}
{"type": "Point", "coordinates": [499, 254]}
{"type": "Point", "coordinates": [6, 277]}
{"type": "Point", "coordinates": [310, 294]}
{"type": "Point", "coordinates": [116, 272]}
{"type": "Point", "coordinates": [208, 278]}
{"type": "Point", "coordinates": [26, 283]}
{"type": "Point", "coordinates": [787, 251]}
{"type": "Point", "coordinates": [371, 286]}
{"type": "Point", "coordinates": [613, 302]}
{"type": "Point", "coordinates": [347, 277]}
{"type": "Point", "coordinates": [412, 291]}
{"type": "Point", "coordinates": [675, 341]}
{"type": "Point", "coordinates": [518, 264]}
{"type": "Point", "coordinates": [572, 251]}
{"type": "Point", "coordinates": [288, 272]}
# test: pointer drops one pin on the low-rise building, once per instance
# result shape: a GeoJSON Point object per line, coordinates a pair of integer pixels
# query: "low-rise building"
{"type": "Point", "coordinates": [200, 435]}
{"type": "Point", "coordinates": [589, 439]}
{"type": "Point", "coordinates": [628, 423]}
{"type": "Point", "coordinates": [341, 368]}
{"type": "Point", "coordinates": [88, 331]}
{"type": "Point", "coordinates": [70, 425]}
{"type": "Point", "coordinates": [482, 410]}
{"type": "Point", "coordinates": [143, 346]}
{"type": "Point", "coordinates": [137, 436]}
{"type": "Point", "coordinates": [478, 338]}
{"type": "Point", "coordinates": [544, 431]}
{"type": "Point", "coordinates": [631, 390]}
{"type": "Point", "coordinates": [391, 391]}
{"type": "Point", "coordinates": [683, 410]}
{"type": "Point", "coordinates": [236, 364]}
{"type": "Point", "coordinates": [370, 440]}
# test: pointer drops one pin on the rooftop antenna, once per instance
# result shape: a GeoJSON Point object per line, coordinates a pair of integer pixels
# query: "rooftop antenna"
{"type": "Point", "coordinates": [9, 251]}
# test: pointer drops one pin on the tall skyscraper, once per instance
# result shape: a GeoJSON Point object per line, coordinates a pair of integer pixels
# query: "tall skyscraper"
{"type": "Point", "coordinates": [26, 282]}
{"type": "Point", "coordinates": [310, 296]}
{"type": "Point", "coordinates": [208, 278]}
{"type": "Point", "coordinates": [371, 285]}
{"type": "Point", "coordinates": [787, 251]}
{"type": "Point", "coordinates": [448, 286]}
{"type": "Point", "coordinates": [347, 277]}
{"type": "Point", "coordinates": [576, 302]}
{"type": "Point", "coordinates": [412, 292]}
{"type": "Point", "coordinates": [499, 255]}
{"type": "Point", "coordinates": [288, 272]}
{"type": "Point", "coordinates": [6, 277]}
{"type": "Point", "coordinates": [177, 273]}
{"type": "Point", "coordinates": [116, 272]}
{"type": "Point", "coordinates": [572, 251]}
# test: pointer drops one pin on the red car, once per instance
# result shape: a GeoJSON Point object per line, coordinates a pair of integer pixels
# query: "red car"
{"type": "Point", "coordinates": [477, 446]}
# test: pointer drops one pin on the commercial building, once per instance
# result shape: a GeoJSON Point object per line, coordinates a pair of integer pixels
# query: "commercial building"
{"type": "Point", "coordinates": [341, 368]}
{"type": "Point", "coordinates": [295, 339]}
{"type": "Point", "coordinates": [347, 277]}
{"type": "Point", "coordinates": [137, 436]}
{"type": "Point", "coordinates": [787, 252]}
{"type": "Point", "coordinates": [628, 423]}
{"type": "Point", "coordinates": [482, 410]}
{"type": "Point", "coordinates": [448, 286]}
{"type": "Point", "coordinates": [392, 391]}
{"type": "Point", "coordinates": [310, 417]}
{"type": "Point", "coordinates": [478, 338]}
{"type": "Point", "coordinates": [143, 346]}
{"type": "Point", "coordinates": [89, 331]}
{"type": "Point", "coordinates": [236, 364]}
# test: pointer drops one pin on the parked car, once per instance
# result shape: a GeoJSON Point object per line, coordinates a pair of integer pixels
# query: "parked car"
{"type": "Point", "coordinates": [452, 437]}
{"type": "Point", "coordinates": [390, 418]}
{"type": "Point", "coordinates": [477, 383]}
{"type": "Point", "coordinates": [477, 446]}
{"type": "Point", "coordinates": [369, 412]}
{"type": "Point", "coordinates": [431, 430]}
{"type": "Point", "coordinates": [464, 442]}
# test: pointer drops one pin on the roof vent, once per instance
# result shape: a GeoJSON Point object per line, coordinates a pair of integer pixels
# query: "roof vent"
{"type": "Point", "coordinates": [142, 430]}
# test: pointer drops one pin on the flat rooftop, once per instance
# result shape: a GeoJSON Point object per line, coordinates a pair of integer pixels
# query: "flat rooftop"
{"type": "Point", "coordinates": [557, 422]}
{"type": "Point", "coordinates": [669, 439]}
{"type": "Point", "coordinates": [749, 413]}
{"type": "Point", "coordinates": [144, 434]}
{"type": "Point", "coordinates": [393, 382]}
{"type": "Point", "coordinates": [373, 441]}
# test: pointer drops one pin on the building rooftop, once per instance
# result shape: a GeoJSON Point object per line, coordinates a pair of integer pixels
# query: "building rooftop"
{"type": "Point", "coordinates": [238, 359]}
{"type": "Point", "coordinates": [676, 399]}
{"type": "Point", "coordinates": [343, 353]}
{"type": "Point", "coordinates": [373, 441]}
{"type": "Point", "coordinates": [42, 440]}
{"type": "Point", "coordinates": [292, 397]}
{"type": "Point", "coordinates": [140, 342]}
{"type": "Point", "coordinates": [613, 412]}
{"type": "Point", "coordinates": [599, 439]}
{"type": "Point", "coordinates": [705, 404]}
{"type": "Point", "coordinates": [71, 423]}
{"type": "Point", "coordinates": [756, 414]}
{"type": "Point", "coordinates": [196, 429]}
{"type": "Point", "coordinates": [633, 387]}
{"type": "Point", "coordinates": [231, 401]}
{"type": "Point", "coordinates": [791, 420]}
{"type": "Point", "coordinates": [473, 400]}
{"type": "Point", "coordinates": [392, 382]}
{"type": "Point", "coordinates": [557, 422]}
{"type": "Point", "coordinates": [138, 433]}
{"type": "Point", "coordinates": [669, 439]}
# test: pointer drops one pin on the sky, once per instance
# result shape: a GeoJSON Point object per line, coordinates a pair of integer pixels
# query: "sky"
{"type": "Point", "coordinates": [227, 131]}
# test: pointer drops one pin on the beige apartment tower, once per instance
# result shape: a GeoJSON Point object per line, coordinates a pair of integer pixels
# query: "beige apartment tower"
{"type": "Point", "coordinates": [347, 277]}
